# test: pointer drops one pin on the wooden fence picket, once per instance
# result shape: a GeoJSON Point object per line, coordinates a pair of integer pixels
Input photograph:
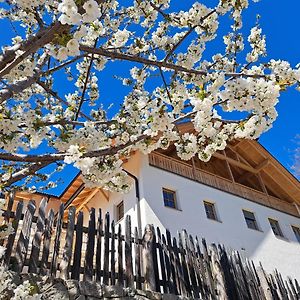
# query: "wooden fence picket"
{"type": "Point", "coordinates": [208, 275]}
{"type": "Point", "coordinates": [190, 263]}
{"type": "Point", "coordinates": [155, 262]}
{"type": "Point", "coordinates": [128, 254]}
{"type": "Point", "coordinates": [168, 266]}
{"type": "Point", "coordinates": [112, 255]}
{"type": "Point", "coordinates": [11, 238]}
{"type": "Point", "coordinates": [120, 258]}
{"type": "Point", "coordinates": [9, 206]}
{"type": "Point", "coordinates": [219, 282]}
{"type": "Point", "coordinates": [75, 273]}
{"type": "Point", "coordinates": [36, 242]}
{"type": "Point", "coordinates": [162, 261]}
{"type": "Point", "coordinates": [137, 252]}
{"type": "Point", "coordinates": [147, 254]}
{"type": "Point", "coordinates": [44, 269]}
{"type": "Point", "coordinates": [203, 287]}
{"type": "Point", "coordinates": [90, 246]}
{"type": "Point", "coordinates": [99, 245]}
{"type": "Point", "coordinates": [59, 222]}
{"type": "Point", "coordinates": [172, 263]}
{"type": "Point", "coordinates": [106, 250]}
{"type": "Point", "coordinates": [67, 253]}
{"type": "Point", "coordinates": [23, 242]}
{"type": "Point", "coordinates": [186, 280]}
{"type": "Point", "coordinates": [179, 269]}
{"type": "Point", "coordinates": [197, 268]}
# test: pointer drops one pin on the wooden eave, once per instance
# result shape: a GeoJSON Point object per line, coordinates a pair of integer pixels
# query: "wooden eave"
{"type": "Point", "coordinates": [273, 172]}
{"type": "Point", "coordinates": [261, 161]}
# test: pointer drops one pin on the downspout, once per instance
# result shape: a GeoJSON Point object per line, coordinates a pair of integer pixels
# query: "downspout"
{"type": "Point", "coordinates": [137, 197]}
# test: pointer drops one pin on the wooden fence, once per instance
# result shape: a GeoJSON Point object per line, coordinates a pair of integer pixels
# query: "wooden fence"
{"type": "Point", "coordinates": [43, 244]}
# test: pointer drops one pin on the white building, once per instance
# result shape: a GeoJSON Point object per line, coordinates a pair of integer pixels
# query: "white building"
{"type": "Point", "coordinates": [243, 198]}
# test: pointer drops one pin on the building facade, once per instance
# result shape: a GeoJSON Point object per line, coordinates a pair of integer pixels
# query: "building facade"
{"type": "Point", "coordinates": [243, 198]}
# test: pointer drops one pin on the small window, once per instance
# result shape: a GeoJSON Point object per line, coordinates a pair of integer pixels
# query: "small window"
{"type": "Point", "coordinates": [210, 210]}
{"type": "Point", "coordinates": [250, 219]}
{"type": "Point", "coordinates": [296, 232]}
{"type": "Point", "coordinates": [169, 198]}
{"type": "Point", "coordinates": [275, 227]}
{"type": "Point", "coordinates": [120, 211]}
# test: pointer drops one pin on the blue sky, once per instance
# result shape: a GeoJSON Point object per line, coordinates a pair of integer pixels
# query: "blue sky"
{"type": "Point", "coordinates": [280, 22]}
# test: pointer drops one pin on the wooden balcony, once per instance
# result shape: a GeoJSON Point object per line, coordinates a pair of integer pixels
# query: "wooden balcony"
{"type": "Point", "coordinates": [186, 170]}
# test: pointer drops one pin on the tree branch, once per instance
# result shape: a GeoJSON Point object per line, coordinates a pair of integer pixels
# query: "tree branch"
{"type": "Point", "coordinates": [85, 83]}
{"type": "Point", "coordinates": [17, 88]}
{"type": "Point", "coordinates": [60, 156]}
{"type": "Point", "coordinates": [22, 85]}
{"type": "Point", "coordinates": [9, 59]}
{"type": "Point", "coordinates": [55, 95]}
{"type": "Point", "coordinates": [24, 173]}
{"type": "Point", "coordinates": [179, 43]}
{"type": "Point", "coordinates": [159, 64]}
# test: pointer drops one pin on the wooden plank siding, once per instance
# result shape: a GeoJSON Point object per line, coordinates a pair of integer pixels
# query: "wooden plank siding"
{"type": "Point", "coordinates": [157, 261]}
{"type": "Point", "coordinates": [186, 170]}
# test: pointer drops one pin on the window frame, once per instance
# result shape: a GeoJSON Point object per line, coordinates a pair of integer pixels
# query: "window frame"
{"type": "Point", "coordinates": [298, 233]}
{"type": "Point", "coordinates": [254, 220]}
{"type": "Point", "coordinates": [121, 203]}
{"type": "Point", "coordinates": [281, 235]}
{"type": "Point", "coordinates": [167, 190]}
{"type": "Point", "coordinates": [214, 210]}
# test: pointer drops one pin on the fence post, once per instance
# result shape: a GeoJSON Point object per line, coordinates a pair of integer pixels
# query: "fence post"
{"type": "Point", "coordinates": [67, 252]}
{"type": "Point", "coordinates": [148, 249]}
{"type": "Point", "coordinates": [219, 280]}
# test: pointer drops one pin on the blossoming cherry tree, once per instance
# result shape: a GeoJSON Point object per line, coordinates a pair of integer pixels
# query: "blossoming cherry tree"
{"type": "Point", "coordinates": [53, 111]}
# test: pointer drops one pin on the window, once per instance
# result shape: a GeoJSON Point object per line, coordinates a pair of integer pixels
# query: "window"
{"type": "Point", "coordinates": [169, 198]}
{"type": "Point", "coordinates": [275, 227]}
{"type": "Point", "coordinates": [296, 232]}
{"type": "Point", "coordinates": [210, 210]}
{"type": "Point", "coordinates": [120, 211]}
{"type": "Point", "coordinates": [250, 220]}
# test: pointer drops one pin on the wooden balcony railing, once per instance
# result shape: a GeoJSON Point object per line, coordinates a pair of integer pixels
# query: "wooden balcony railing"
{"type": "Point", "coordinates": [186, 170]}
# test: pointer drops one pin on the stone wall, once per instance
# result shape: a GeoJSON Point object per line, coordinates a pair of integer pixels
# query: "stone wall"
{"type": "Point", "coordinates": [59, 289]}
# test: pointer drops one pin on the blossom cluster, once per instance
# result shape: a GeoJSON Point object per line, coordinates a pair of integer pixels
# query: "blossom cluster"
{"type": "Point", "coordinates": [258, 44]}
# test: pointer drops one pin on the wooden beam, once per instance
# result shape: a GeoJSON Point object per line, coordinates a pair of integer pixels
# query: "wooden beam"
{"type": "Point", "coordinates": [72, 198]}
{"type": "Point", "coordinates": [263, 164]}
{"type": "Point", "coordinates": [228, 167]}
{"type": "Point", "coordinates": [277, 188]}
{"type": "Point", "coordinates": [104, 195]}
{"type": "Point", "coordinates": [87, 199]}
{"type": "Point", "coordinates": [261, 182]}
{"type": "Point", "coordinates": [258, 168]}
{"type": "Point", "coordinates": [237, 144]}
{"type": "Point", "coordinates": [235, 163]}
